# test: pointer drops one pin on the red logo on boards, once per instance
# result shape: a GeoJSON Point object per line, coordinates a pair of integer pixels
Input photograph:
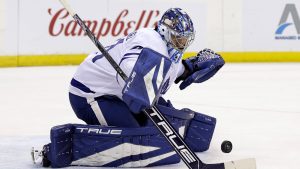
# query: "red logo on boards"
{"type": "Point", "coordinates": [61, 24]}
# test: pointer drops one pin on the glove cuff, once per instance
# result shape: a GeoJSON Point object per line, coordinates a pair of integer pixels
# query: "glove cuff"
{"type": "Point", "coordinates": [185, 74]}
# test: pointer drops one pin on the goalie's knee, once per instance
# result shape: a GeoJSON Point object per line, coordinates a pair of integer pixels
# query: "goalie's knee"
{"type": "Point", "coordinates": [197, 129]}
{"type": "Point", "coordinates": [200, 132]}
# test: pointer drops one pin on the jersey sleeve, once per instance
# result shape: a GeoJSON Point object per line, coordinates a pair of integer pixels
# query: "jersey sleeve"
{"type": "Point", "coordinates": [128, 61]}
{"type": "Point", "coordinates": [150, 71]}
{"type": "Point", "coordinates": [134, 43]}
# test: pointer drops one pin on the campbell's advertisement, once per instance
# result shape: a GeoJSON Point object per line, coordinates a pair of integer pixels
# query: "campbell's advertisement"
{"type": "Point", "coordinates": [60, 25]}
{"type": "Point", "coordinates": [49, 29]}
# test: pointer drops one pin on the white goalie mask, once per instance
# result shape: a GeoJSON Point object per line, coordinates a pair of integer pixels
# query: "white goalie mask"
{"type": "Point", "coordinates": [177, 30]}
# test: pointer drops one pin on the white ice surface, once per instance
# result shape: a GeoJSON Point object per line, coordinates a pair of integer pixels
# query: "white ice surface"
{"type": "Point", "coordinates": [257, 107]}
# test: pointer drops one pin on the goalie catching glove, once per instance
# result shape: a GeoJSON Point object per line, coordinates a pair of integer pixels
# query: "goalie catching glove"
{"type": "Point", "coordinates": [200, 68]}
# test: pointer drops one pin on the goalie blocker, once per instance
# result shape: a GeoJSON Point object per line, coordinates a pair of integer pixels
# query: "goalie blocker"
{"type": "Point", "coordinates": [93, 145]}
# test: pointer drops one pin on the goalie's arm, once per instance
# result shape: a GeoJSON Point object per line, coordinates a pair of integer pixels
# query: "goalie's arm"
{"type": "Point", "coordinates": [142, 86]}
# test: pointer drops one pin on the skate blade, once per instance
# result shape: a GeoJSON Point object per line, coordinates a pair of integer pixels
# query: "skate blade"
{"type": "Point", "coordinates": [36, 156]}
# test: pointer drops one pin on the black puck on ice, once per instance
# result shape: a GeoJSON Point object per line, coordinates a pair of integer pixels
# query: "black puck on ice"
{"type": "Point", "coordinates": [226, 146]}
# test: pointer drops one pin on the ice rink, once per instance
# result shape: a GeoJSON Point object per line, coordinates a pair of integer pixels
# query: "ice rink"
{"type": "Point", "coordinates": [257, 107]}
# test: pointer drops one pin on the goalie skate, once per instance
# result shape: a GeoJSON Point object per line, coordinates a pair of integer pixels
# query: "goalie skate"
{"type": "Point", "coordinates": [39, 157]}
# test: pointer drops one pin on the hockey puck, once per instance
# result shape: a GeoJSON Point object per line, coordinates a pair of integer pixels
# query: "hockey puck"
{"type": "Point", "coordinates": [226, 146]}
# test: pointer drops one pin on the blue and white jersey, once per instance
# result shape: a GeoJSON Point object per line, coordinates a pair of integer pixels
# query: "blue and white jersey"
{"type": "Point", "coordinates": [96, 77]}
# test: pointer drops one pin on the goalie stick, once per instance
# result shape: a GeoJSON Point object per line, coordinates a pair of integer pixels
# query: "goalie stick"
{"type": "Point", "coordinates": [189, 157]}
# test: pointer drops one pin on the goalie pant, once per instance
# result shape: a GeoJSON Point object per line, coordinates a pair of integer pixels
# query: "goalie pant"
{"type": "Point", "coordinates": [94, 145]}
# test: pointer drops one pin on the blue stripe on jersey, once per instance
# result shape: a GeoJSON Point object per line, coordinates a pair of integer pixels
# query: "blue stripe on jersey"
{"type": "Point", "coordinates": [126, 56]}
{"type": "Point", "coordinates": [97, 57]}
{"type": "Point", "coordinates": [108, 48]}
{"type": "Point", "coordinates": [137, 47]}
{"type": "Point", "coordinates": [81, 86]}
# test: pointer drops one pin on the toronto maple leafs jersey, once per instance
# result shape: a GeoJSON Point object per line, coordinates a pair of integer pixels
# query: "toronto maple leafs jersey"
{"type": "Point", "coordinates": [96, 77]}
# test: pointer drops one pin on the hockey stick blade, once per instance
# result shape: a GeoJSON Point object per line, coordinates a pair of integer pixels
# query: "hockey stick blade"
{"type": "Point", "coordinates": [249, 163]}
{"type": "Point", "coordinates": [189, 157]}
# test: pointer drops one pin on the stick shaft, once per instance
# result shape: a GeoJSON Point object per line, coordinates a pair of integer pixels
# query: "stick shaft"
{"type": "Point", "coordinates": [68, 8]}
